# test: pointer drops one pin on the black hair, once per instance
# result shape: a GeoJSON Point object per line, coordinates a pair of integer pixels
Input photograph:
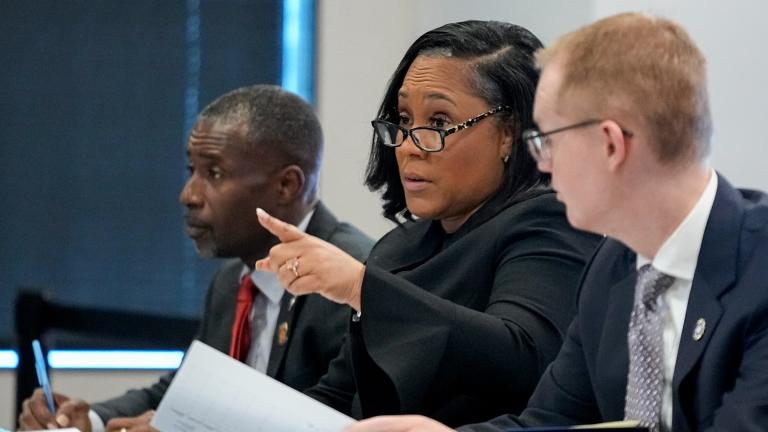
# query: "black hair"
{"type": "Point", "coordinates": [279, 122]}
{"type": "Point", "coordinates": [501, 57]}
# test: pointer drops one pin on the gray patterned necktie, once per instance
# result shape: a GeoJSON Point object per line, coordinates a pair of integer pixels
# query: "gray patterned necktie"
{"type": "Point", "coordinates": [645, 383]}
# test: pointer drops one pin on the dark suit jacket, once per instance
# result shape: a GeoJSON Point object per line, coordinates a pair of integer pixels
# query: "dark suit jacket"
{"type": "Point", "coordinates": [720, 381]}
{"type": "Point", "coordinates": [317, 327]}
{"type": "Point", "coordinates": [451, 323]}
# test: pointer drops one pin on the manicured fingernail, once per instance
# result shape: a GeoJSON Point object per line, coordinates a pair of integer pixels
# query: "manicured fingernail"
{"type": "Point", "coordinates": [62, 420]}
{"type": "Point", "coordinates": [260, 213]}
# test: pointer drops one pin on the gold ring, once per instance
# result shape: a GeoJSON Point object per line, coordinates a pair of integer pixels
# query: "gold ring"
{"type": "Point", "coordinates": [293, 264]}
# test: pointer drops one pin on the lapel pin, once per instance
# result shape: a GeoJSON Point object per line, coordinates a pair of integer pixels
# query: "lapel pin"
{"type": "Point", "coordinates": [282, 333]}
{"type": "Point", "coordinates": [291, 302]}
{"type": "Point", "coordinates": [698, 331]}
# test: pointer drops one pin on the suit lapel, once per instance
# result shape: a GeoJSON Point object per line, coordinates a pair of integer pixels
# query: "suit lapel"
{"type": "Point", "coordinates": [289, 304]}
{"type": "Point", "coordinates": [612, 361]}
{"type": "Point", "coordinates": [407, 246]}
{"type": "Point", "coordinates": [715, 274]}
{"type": "Point", "coordinates": [613, 358]}
{"type": "Point", "coordinates": [227, 289]}
{"type": "Point", "coordinates": [323, 222]}
{"type": "Point", "coordinates": [705, 308]}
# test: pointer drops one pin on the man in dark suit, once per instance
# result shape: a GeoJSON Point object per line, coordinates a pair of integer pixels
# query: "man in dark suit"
{"type": "Point", "coordinates": [672, 322]}
{"type": "Point", "coordinates": [254, 147]}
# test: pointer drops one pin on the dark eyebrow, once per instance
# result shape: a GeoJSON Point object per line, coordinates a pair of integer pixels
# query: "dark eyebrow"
{"type": "Point", "coordinates": [207, 154]}
{"type": "Point", "coordinates": [211, 156]}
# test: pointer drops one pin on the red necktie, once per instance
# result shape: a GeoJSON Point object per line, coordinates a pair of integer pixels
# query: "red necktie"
{"type": "Point", "coordinates": [241, 328]}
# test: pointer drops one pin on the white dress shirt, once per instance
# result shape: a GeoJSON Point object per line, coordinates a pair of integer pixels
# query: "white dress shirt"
{"type": "Point", "coordinates": [677, 257]}
{"type": "Point", "coordinates": [263, 316]}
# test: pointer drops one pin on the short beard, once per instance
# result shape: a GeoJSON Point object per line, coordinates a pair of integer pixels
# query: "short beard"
{"type": "Point", "coordinates": [207, 251]}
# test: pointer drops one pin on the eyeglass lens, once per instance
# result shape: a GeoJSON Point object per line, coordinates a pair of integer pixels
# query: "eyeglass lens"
{"type": "Point", "coordinates": [389, 133]}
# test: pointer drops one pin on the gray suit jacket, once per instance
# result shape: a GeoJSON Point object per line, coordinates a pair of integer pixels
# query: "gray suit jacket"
{"type": "Point", "coordinates": [316, 326]}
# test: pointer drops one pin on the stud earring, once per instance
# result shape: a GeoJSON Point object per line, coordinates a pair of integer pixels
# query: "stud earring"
{"type": "Point", "coordinates": [505, 158]}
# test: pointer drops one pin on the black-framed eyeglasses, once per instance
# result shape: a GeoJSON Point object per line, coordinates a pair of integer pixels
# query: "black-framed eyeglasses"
{"type": "Point", "coordinates": [427, 138]}
{"type": "Point", "coordinates": [540, 147]}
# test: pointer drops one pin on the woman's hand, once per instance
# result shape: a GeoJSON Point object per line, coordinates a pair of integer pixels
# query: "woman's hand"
{"type": "Point", "coordinates": [304, 264]}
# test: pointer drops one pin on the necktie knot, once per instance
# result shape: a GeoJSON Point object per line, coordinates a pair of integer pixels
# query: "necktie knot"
{"type": "Point", "coordinates": [653, 283]}
{"type": "Point", "coordinates": [247, 289]}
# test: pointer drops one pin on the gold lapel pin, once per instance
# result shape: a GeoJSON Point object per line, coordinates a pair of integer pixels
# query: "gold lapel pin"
{"type": "Point", "coordinates": [699, 329]}
{"type": "Point", "coordinates": [282, 333]}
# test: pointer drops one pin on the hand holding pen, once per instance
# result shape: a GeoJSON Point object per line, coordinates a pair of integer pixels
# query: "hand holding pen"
{"type": "Point", "coordinates": [35, 414]}
{"type": "Point", "coordinates": [42, 375]}
{"type": "Point", "coordinates": [40, 411]}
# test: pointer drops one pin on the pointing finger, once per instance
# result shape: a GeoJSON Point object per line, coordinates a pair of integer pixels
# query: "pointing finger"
{"type": "Point", "coordinates": [283, 231]}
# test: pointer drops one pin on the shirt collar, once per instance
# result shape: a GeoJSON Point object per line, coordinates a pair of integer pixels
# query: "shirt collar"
{"type": "Point", "coordinates": [267, 281]}
{"type": "Point", "coordinates": [679, 253]}
{"type": "Point", "coordinates": [305, 221]}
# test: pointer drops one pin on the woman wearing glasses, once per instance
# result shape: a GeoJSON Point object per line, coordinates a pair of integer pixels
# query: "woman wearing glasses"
{"type": "Point", "coordinates": [457, 311]}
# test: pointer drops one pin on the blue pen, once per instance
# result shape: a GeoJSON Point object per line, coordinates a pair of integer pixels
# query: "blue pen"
{"type": "Point", "coordinates": [42, 375]}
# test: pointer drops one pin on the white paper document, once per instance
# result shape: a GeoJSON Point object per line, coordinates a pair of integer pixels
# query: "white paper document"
{"type": "Point", "coordinates": [212, 392]}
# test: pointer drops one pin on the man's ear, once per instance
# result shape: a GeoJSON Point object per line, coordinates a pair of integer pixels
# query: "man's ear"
{"type": "Point", "coordinates": [615, 144]}
{"type": "Point", "coordinates": [291, 184]}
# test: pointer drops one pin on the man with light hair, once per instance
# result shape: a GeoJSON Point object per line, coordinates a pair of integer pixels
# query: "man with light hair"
{"type": "Point", "coordinates": [671, 329]}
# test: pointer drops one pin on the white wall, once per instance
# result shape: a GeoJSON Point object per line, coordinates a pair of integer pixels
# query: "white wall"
{"type": "Point", "coordinates": [7, 398]}
{"type": "Point", "coordinates": [354, 63]}
{"type": "Point", "coordinates": [361, 41]}
{"type": "Point", "coordinates": [732, 35]}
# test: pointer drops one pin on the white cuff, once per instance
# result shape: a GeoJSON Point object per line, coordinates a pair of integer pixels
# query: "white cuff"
{"type": "Point", "coordinates": [97, 424]}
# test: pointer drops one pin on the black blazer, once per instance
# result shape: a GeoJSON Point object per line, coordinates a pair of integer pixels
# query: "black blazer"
{"type": "Point", "coordinates": [316, 326]}
{"type": "Point", "coordinates": [720, 381]}
{"type": "Point", "coordinates": [452, 323]}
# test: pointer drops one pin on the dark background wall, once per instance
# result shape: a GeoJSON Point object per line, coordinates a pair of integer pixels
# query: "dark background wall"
{"type": "Point", "coordinates": [96, 100]}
